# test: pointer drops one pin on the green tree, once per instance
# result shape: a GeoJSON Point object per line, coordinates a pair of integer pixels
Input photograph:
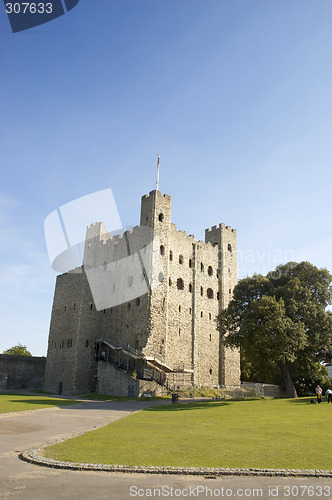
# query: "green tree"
{"type": "Point", "coordinates": [18, 350]}
{"type": "Point", "coordinates": [281, 324]}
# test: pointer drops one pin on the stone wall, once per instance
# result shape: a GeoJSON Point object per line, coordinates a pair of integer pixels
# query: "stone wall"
{"type": "Point", "coordinates": [21, 372]}
{"type": "Point", "coordinates": [114, 381]}
{"type": "Point", "coordinates": [70, 367]}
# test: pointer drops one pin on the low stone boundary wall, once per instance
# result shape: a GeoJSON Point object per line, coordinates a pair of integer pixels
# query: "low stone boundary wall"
{"type": "Point", "coordinates": [21, 372]}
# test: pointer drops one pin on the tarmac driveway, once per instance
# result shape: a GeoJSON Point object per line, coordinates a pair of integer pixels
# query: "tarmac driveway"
{"type": "Point", "coordinates": [19, 479]}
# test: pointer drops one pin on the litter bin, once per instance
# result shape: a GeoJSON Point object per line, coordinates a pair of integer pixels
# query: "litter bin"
{"type": "Point", "coordinates": [175, 397]}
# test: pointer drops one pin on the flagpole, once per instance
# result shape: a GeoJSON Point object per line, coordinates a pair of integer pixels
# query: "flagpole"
{"type": "Point", "coordinates": [158, 163]}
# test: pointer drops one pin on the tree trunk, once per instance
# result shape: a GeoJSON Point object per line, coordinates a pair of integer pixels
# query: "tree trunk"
{"type": "Point", "coordinates": [290, 388]}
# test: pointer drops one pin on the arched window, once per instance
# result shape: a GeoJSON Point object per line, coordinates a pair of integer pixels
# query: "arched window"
{"type": "Point", "coordinates": [179, 308]}
{"type": "Point", "coordinates": [202, 267]}
{"type": "Point", "coordinates": [202, 291]}
{"type": "Point", "coordinates": [190, 287]}
{"type": "Point", "coordinates": [181, 259]}
{"type": "Point", "coordinates": [162, 250]}
{"type": "Point", "coordinates": [190, 263]}
{"type": "Point", "coordinates": [180, 284]}
{"type": "Point", "coordinates": [209, 293]}
{"type": "Point", "coordinates": [161, 217]}
{"type": "Point", "coordinates": [210, 271]}
{"type": "Point", "coordinates": [170, 255]}
{"type": "Point", "coordinates": [169, 281]}
{"type": "Point", "coordinates": [229, 247]}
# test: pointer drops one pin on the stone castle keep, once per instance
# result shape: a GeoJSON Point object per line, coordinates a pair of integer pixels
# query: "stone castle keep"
{"type": "Point", "coordinates": [140, 314]}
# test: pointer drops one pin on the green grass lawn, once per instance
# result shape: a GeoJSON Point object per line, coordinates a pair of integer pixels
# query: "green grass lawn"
{"type": "Point", "coordinates": [284, 433]}
{"type": "Point", "coordinates": [22, 402]}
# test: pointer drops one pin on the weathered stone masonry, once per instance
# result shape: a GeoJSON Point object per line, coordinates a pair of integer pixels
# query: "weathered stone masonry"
{"type": "Point", "coordinates": [21, 372]}
{"type": "Point", "coordinates": [167, 334]}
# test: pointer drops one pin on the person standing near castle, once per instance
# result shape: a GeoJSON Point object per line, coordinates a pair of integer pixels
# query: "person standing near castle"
{"type": "Point", "coordinates": [319, 392]}
{"type": "Point", "coordinates": [328, 395]}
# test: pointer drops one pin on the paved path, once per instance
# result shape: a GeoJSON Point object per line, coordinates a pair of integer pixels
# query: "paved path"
{"type": "Point", "coordinates": [22, 480]}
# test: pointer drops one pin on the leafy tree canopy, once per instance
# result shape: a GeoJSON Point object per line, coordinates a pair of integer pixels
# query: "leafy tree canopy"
{"type": "Point", "coordinates": [281, 324]}
{"type": "Point", "coordinates": [18, 350]}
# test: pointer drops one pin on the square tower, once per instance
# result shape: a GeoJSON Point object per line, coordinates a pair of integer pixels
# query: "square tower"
{"type": "Point", "coordinates": [153, 315]}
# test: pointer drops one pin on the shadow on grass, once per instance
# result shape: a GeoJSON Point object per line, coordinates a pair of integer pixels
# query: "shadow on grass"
{"type": "Point", "coordinates": [307, 400]}
{"type": "Point", "coordinates": [32, 399]}
{"type": "Point", "coordinates": [183, 406]}
{"type": "Point", "coordinates": [44, 402]}
{"type": "Point", "coordinates": [107, 397]}
{"type": "Point", "coordinates": [197, 405]}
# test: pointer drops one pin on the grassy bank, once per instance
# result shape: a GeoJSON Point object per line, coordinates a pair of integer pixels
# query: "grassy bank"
{"type": "Point", "coordinates": [252, 433]}
{"type": "Point", "coordinates": [22, 402]}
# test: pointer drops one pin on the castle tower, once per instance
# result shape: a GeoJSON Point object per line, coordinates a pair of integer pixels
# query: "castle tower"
{"type": "Point", "coordinates": [156, 214]}
{"type": "Point", "coordinates": [225, 239]}
{"type": "Point", "coordinates": [149, 298]}
{"type": "Point", "coordinates": [70, 364]}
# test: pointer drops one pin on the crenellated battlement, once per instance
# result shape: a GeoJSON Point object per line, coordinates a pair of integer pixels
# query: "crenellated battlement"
{"type": "Point", "coordinates": [154, 193]}
{"type": "Point", "coordinates": [221, 226]}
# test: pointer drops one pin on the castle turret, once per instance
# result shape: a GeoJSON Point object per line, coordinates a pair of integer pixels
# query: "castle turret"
{"type": "Point", "coordinates": [156, 211]}
{"type": "Point", "coordinates": [156, 214]}
{"type": "Point", "coordinates": [225, 238]}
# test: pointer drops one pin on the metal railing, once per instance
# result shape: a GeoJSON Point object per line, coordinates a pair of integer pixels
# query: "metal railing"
{"type": "Point", "coordinates": [125, 357]}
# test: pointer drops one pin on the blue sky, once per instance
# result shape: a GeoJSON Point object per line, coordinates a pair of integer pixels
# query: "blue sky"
{"type": "Point", "coordinates": [235, 95]}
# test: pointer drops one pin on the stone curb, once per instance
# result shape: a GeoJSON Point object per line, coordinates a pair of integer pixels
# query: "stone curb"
{"type": "Point", "coordinates": [32, 456]}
